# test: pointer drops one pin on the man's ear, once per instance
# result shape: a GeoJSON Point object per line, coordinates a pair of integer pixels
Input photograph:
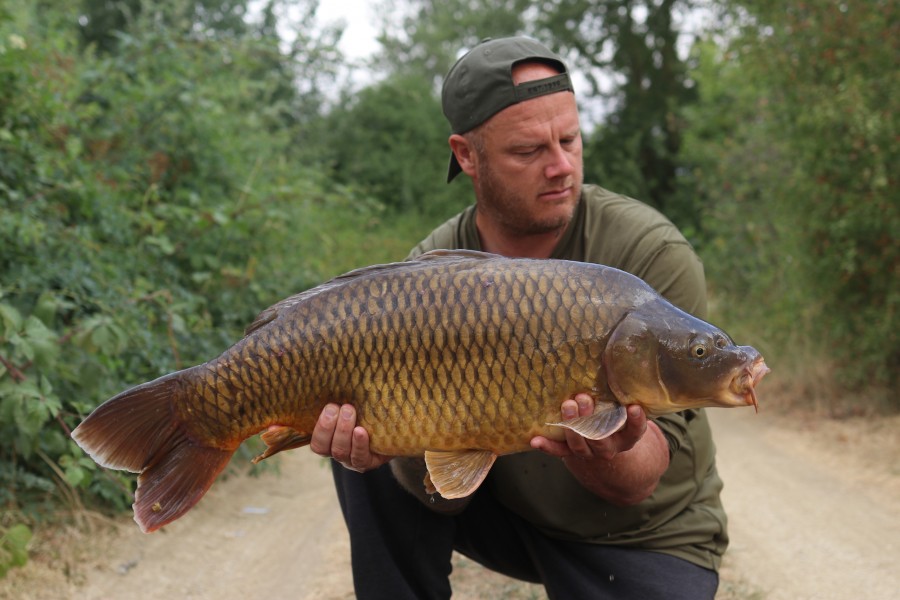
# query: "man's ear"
{"type": "Point", "coordinates": [465, 153]}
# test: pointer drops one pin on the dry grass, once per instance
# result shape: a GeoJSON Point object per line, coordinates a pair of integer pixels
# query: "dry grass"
{"type": "Point", "coordinates": [59, 554]}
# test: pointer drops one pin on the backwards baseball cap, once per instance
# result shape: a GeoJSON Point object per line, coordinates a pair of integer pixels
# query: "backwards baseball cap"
{"type": "Point", "coordinates": [480, 84]}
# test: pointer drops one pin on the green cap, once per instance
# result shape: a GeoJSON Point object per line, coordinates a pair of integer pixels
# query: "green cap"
{"type": "Point", "coordinates": [480, 84]}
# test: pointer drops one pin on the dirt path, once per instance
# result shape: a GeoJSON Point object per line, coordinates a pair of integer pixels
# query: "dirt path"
{"type": "Point", "coordinates": [814, 509]}
{"type": "Point", "coordinates": [811, 516]}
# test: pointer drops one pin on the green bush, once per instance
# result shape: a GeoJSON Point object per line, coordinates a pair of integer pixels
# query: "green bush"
{"type": "Point", "coordinates": [13, 547]}
{"type": "Point", "coordinates": [150, 209]}
{"type": "Point", "coordinates": [791, 148]}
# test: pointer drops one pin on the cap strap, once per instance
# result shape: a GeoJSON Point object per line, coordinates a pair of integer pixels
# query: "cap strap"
{"type": "Point", "coordinates": [541, 87]}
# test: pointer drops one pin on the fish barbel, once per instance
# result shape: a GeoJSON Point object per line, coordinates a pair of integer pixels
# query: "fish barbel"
{"type": "Point", "coordinates": [458, 356]}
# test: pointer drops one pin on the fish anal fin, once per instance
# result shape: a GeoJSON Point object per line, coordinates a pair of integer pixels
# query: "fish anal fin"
{"type": "Point", "coordinates": [607, 418]}
{"type": "Point", "coordinates": [174, 484]}
{"type": "Point", "coordinates": [280, 437]}
{"type": "Point", "coordinates": [458, 473]}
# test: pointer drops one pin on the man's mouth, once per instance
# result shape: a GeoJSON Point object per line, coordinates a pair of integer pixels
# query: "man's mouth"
{"type": "Point", "coordinates": [556, 194]}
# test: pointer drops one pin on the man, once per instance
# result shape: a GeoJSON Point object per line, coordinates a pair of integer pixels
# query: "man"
{"type": "Point", "coordinates": [636, 515]}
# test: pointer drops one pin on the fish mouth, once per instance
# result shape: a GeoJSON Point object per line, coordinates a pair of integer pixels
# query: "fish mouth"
{"type": "Point", "coordinates": [744, 383]}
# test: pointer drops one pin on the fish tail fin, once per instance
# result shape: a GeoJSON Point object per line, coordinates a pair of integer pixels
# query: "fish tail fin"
{"type": "Point", "coordinates": [138, 431]}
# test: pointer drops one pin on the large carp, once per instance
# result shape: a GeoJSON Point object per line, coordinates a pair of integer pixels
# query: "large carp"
{"type": "Point", "coordinates": [458, 356]}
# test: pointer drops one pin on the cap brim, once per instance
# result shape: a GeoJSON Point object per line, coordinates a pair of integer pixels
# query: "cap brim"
{"type": "Point", "coordinates": [454, 169]}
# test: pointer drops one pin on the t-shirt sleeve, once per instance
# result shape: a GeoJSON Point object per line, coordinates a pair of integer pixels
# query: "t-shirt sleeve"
{"type": "Point", "coordinates": [627, 234]}
{"type": "Point", "coordinates": [676, 273]}
{"type": "Point", "coordinates": [674, 427]}
{"type": "Point", "coordinates": [432, 242]}
{"type": "Point", "coordinates": [447, 236]}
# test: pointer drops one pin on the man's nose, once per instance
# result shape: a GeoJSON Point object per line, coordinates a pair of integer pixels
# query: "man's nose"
{"type": "Point", "coordinates": [561, 164]}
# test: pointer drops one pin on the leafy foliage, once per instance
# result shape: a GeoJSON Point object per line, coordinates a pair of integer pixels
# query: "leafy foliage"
{"type": "Point", "coordinates": [628, 51]}
{"type": "Point", "coordinates": [422, 37]}
{"type": "Point", "coordinates": [391, 140]}
{"type": "Point", "coordinates": [392, 137]}
{"type": "Point", "coordinates": [13, 547]}
{"type": "Point", "coordinates": [792, 147]}
{"type": "Point", "coordinates": [152, 203]}
{"type": "Point", "coordinates": [101, 22]}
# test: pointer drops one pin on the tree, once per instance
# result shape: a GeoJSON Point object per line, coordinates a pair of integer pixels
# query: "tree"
{"type": "Point", "coordinates": [423, 37]}
{"type": "Point", "coordinates": [628, 50]}
{"type": "Point", "coordinates": [391, 141]}
{"type": "Point", "coordinates": [391, 138]}
{"type": "Point", "coordinates": [804, 164]}
{"type": "Point", "coordinates": [102, 22]}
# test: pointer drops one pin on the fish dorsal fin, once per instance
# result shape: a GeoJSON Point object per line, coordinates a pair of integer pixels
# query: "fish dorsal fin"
{"type": "Point", "coordinates": [455, 255]}
{"type": "Point", "coordinates": [274, 311]}
{"type": "Point", "coordinates": [458, 473]}
{"type": "Point", "coordinates": [607, 418]}
{"type": "Point", "coordinates": [450, 256]}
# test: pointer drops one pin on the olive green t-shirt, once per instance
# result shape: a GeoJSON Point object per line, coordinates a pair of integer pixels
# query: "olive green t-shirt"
{"type": "Point", "coordinates": [684, 516]}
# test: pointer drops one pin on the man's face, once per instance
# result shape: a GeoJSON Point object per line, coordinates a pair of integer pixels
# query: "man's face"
{"type": "Point", "coordinates": [528, 170]}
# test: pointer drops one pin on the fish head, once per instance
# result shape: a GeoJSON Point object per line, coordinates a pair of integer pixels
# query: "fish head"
{"type": "Point", "coordinates": [666, 361]}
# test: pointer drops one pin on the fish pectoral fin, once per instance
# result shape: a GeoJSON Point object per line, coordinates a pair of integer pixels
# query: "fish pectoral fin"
{"type": "Point", "coordinates": [281, 437]}
{"type": "Point", "coordinates": [458, 473]}
{"type": "Point", "coordinates": [607, 418]}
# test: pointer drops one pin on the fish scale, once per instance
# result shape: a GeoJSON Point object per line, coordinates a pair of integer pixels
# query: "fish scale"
{"type": "Point", "coordinates": [457, 356]}
{"type": "Point", "coordinates": [468, 298]}
{"type": "Point", "coordinates": [467, 337]}
{"type": "Point", "coordinates": [386, 376]}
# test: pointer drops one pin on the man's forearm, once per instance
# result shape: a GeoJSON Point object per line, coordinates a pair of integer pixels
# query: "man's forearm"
{"type": "Point", "coordinates": [629, 477]}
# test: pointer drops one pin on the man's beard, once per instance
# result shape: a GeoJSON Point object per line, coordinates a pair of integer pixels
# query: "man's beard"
{"type": "Point", "coordinates": [505, 208]}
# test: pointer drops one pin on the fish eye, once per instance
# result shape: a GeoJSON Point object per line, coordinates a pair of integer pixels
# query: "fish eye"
{"type": "Point", "coordinates": [698, 350]}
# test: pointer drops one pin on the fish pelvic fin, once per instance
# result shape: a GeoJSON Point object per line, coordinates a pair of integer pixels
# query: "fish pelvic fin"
{"type": "Point", "coordinates": [607, 418]}
{"type": "Point", "coordinates": [280, 437]}
{"type": "Point", "coordinates": [457, 473]}
{"type": "Point", "coordinates": [138, 431]}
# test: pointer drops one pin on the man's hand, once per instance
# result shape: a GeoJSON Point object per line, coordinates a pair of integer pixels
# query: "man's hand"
{"type": "Point", "coordinates": [582, 405]}
{"type": "Point", "coordinates": [336, 435]}
{"type": "Point", "coordinates": [624, 468]}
